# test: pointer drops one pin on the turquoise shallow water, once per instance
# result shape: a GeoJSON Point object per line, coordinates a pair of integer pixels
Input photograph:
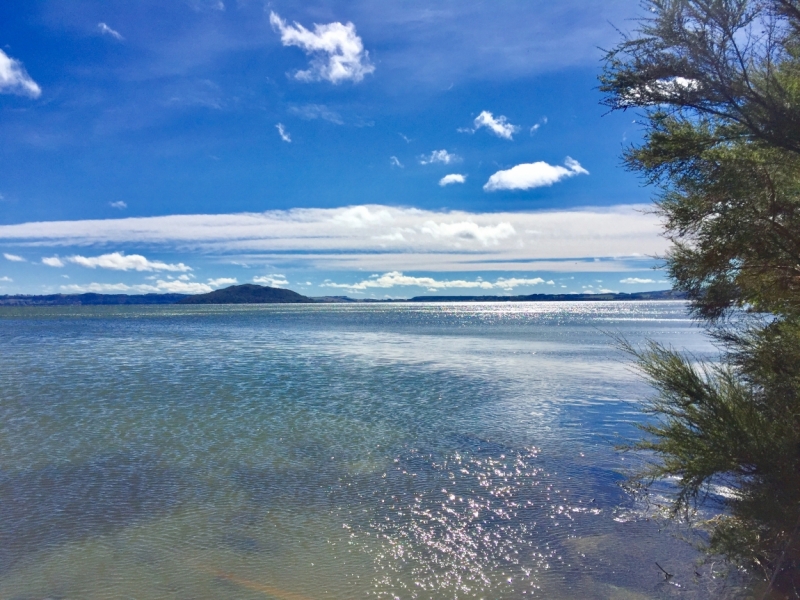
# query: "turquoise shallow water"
{"type": "Point", "coordinates": [332, 451]}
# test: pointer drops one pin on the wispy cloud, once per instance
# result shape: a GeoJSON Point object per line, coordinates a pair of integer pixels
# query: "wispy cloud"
{"type": "Point", "coordinates": [106, 30]}
{"type": "Point", "coordinates": [311, 112]}
{"type": "Point", "coordinates": [118, 261]}
{"type": "Point", "coordinates": [273, 280]}
{"type": "Point", "coordinates": [120, 204]}
{"type": "Point", "coordinates": [398, 279]}
{"type": "Point", "coordinates": [6, 279]}
{"type": "Point", "coordinates": [52, 261]}
{"type": "Point", "coordinates": [497, 125]}
{"type": "Point", "coordinates": [13, 257]}
{"type": "Point", "coordinates": [452, 178]}
{"type": "Point", "coordinates": [532, 175]}
{"type": "Point", "coordinates": [337, 53]}
{"type": "Point", "coordinates": [439, 156]}
{"type": "Point", "coordinates": [638, 280]}
{"type": "Point", "coordinates": [380, 237]}
{"type": "Point", "coordinates": [282, 131]}
{"type": "Point", "coordinates": [15, 80]}
{"type": "Point", "coordinates": [395, 162]}
{"type": "Point", "coordinates": [538, 125]}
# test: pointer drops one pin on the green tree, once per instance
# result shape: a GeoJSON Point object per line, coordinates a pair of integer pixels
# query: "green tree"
{"type": "Point", "coordinates": [717, 83]}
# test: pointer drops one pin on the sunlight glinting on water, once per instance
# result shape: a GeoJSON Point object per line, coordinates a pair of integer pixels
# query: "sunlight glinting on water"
{"type": "Point", "coordinates": [338, 451]}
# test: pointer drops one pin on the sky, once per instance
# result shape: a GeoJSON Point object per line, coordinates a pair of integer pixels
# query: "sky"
{"type": "Point", "coordinates": [374, 150]}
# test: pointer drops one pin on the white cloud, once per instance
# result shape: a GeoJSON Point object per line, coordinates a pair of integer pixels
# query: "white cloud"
{"type": "Point", "coordinates": [106, 30]}
{"type": "Point", "coordinates": [5, 278]}
{"type": "Point", "coordinates": [172, 286]}
{"type": "Point", "coordinates": [395, 162]}
{"type": "Point", "coordinates": [282, 131]}
{"type": "Point", "coordinates": [468, 230]}
{"type": "Point", "coordinates": [636, 280]}
{"type": "Point", "coordinates": [222, 281]}
{"type": "Point", "coordinates": [452, 178]}
{"type": "Point", "coordinates": [498, 126]}
{"type": "Point", "coordinates": [274, 280]}
{"type": "Point", "coordinates": [120, 204]}
{"type": "Point", "coordinates": [379, 237]}
{"type": "Point", "coordinates": [398, 279]}
{"type": "Point", "coordinates": [52, 261]}
{"type": "Point", "coordinates": [533, 175]}
{"type": "Point", "coordinates": [124, 262]}
{"type": "Point", "coordinates": [15, 80]}
{"type": "Point", "coordinates": [538, 125]}
{"type": "Point", "coordinates": [13, 257]}
{"type": "Point", "coordinates": [439, 156]}
{"type": "Point", "coordinates": [660, 90]}
{"type": "Point", "coordinates": [337, 53]}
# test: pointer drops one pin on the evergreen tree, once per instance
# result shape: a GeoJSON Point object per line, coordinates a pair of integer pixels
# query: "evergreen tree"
{"type": "Point", "coordinates": [718, 85]}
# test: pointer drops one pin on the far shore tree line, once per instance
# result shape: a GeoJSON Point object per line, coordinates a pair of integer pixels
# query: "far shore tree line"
{"type": "Point", "coordinates": [716, 87]}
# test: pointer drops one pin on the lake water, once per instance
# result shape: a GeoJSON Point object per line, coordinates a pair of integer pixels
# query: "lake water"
{"type": "Point", "coordinates": [330, 451]}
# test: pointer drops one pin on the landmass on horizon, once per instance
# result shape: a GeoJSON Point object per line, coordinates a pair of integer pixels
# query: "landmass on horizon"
{"type": "Point", "coordinates": [261, 294]}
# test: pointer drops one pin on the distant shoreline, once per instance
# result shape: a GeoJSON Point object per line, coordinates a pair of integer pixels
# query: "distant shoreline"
{"type": "Point", "coordinates": [231, 295]}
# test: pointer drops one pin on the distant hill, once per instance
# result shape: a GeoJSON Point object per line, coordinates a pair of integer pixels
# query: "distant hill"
{"type": "Point", "coordinates": [247, 294]}
{"type": "Point", "coordinates": [257, 294]}
{"type": "Point", "coordinates": [659, 295]}
{"type": "Point", "coordinates": [89, 299]}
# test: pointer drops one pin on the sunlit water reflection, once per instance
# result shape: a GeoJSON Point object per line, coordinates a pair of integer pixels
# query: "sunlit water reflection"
{"type": "Point", "coordinates": [338, 451]}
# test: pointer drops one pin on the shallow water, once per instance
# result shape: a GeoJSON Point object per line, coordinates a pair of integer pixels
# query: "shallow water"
{"type": "Point", "coordinates": [331, 451]}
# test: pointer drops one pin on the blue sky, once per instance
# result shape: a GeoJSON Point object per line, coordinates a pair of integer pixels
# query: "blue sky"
{"type": "Point", "coordinates": [393, 149]}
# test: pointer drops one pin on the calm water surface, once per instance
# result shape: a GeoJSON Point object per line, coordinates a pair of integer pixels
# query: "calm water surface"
{"type": "Point", "coordinates": [332, 451]}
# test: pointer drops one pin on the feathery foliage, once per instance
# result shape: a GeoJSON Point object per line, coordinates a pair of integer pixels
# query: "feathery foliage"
{"type": "Point", "coordinates": [718, 84]}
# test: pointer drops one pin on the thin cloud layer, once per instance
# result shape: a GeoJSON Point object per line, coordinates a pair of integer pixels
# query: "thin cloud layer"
{"type": "Point", "coordinates": [497, 125]}
{"type": "Point", "coordinates": [398, 279]}
{"type": "Point", "coordinates": [15, 80]}
{"type": "Point", "coordinates": [171, 286]}
{"type": "Point", "coordinates": [533, 175]}
{"type": "Point", "coordinates": [379, 237]}
{"type": "Point", "coordinates": [337, 53]}
{"type": "Point", "coordinates": [13, 257]}
{"type": "Point", "coordinates": [118, 261]}
{"type": "Point", "coordinates": [452, 178]}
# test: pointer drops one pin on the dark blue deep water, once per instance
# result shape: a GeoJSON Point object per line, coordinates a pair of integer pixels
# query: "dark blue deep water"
{"type": "Point", "coordinates": [331, 451]}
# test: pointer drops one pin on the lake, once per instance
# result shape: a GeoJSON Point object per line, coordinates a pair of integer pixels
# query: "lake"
{"type": "Point", "coordinates": [331, 451]}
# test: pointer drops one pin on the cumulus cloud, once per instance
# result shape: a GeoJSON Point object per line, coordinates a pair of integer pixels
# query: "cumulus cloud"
{"type": "Point", "coordinates": [52, 261]}
{"type": "Point", "coordinates": [282, 131]}
{"type": "Point", "coordinates": [533, 175]}
{"type": "Point", "coordinates": [337, 53]}
{"type": "Point", "coordinates": [636, 280]}
{"type": "Point", "coordinates": [398, 279]}
{"type": "Point", "coordinates": [439, 156]}
{"type": "Point", "coordinates": [120, 204]}
{"type": "Point", "coordinates": [13, 257]}
{"type": "Point", "coordinates": [169, 286]}
{"type": "Point", "coordinates": [379, 237]}
{"type": "Point", "coordinates": [452, 178]}
{"type": "Point", "coordinates": [106, 30]}
{"type": "Point", "coordinates": [118, 261]}
{"type": "Point", "coordinates": [661, 91]}
{"type": "Point", "coordinates": [497, 125]}
{"type": "Point", "coordinates": [273, 280]}
{"type": "Point", "coordinates": [15, 80]}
